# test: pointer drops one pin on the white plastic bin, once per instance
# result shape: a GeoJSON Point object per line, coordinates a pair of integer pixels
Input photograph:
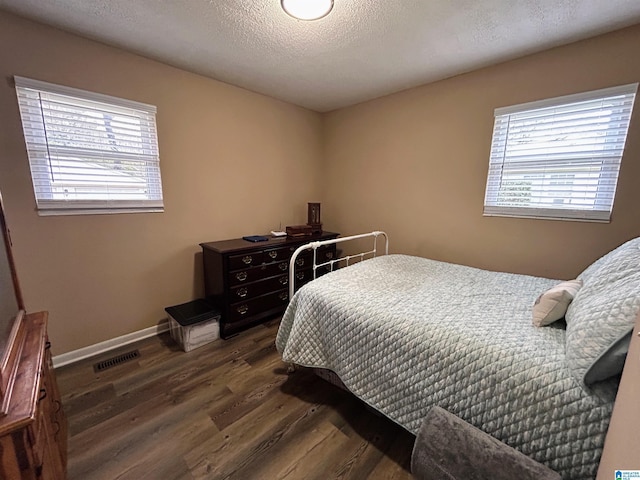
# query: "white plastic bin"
{"type": "Point", "coordinates": [193, 324]}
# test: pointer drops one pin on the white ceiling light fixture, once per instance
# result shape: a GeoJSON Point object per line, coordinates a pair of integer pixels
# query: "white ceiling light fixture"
{"type": "Point", "coordinates": [307, 9]}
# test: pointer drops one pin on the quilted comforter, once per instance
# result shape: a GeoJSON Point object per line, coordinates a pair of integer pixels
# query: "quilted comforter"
{"type": "Point", "coordinates": [406, 333]}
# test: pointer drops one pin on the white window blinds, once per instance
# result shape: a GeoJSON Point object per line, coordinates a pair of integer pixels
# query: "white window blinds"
{"type": "Point", "coordinates": [89, 153]}
{"type": "Point", "coordinates": [559, 158]}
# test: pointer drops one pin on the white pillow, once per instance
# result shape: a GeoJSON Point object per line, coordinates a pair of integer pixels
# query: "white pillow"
{"type": "Point", "coordinates": [552, 304]}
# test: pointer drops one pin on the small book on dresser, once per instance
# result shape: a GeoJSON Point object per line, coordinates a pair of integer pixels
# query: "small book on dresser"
{"type": "Point", "coordinates": [255, 238]}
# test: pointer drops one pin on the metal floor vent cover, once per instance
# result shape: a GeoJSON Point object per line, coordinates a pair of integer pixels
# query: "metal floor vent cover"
{"type": "Point", "coordinates": [115, 361]}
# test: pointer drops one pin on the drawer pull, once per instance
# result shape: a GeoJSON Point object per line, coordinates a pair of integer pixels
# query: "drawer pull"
{"type": "Point", "coordinates": [242, 309]}
{"type": "Point", "coordinates": [241, 292]}
{"type": "Point", "coordinates": [247, 260]}
{"type": "Point", "coordinates": [43, 394]}
{"type": "Point", "coordinates": [299, 261]}
{"type": "Point", "coordinates": [283, 280]}
{"type": "Point", "coordinates": [241, 276]}
{"type": "Point", "coordinates": [329, 255]}
{"type": "Point", "coordinates": [299, 275]}
{"type": "Point", "coordinates": [283, 266]}
{"type": "Point", "coordinates": [58, 406]}
{"type": "Point", "coordinates": [273, 254]}
{"type": "Point", "coordinates": [283, 296]}
{"type": "Point", "coordinates": [47, 345]}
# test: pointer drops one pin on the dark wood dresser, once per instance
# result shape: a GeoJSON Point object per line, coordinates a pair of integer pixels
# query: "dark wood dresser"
{"type": "Point", "coordinates": [249, 282]}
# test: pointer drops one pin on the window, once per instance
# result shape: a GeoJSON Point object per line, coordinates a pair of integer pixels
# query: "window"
{"type": "Point", "coordinates": [559, 158]}
{"type": "Point", "coordinates": [89, 153]}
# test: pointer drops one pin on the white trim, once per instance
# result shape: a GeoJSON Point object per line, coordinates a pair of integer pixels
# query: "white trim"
{"type": "Point", "coordinates": [548, 213]}
{"type": "Point", "coordinates": [539, 217]}
{"type": "Point", "coordinates": [97, 211]}
{"type": "Point", "coordinates": [91, 350]}
{"type": "Point", "coordinates": [629, 89]}
{"type": "Point", "coordinates": [87, 95]}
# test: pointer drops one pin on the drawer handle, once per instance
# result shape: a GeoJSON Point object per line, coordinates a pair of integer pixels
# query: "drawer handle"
{"type": "Point", "coordinates": [299, 261]}
{"type": "Point", "coordinates": [299, 275]}
{"type": "Point", "coordinates": [283, 266]}
{"type": "Point", "coordinates": [283, 295]}
{"type": "Point", "coordinates": [43, 394]}
{"type": "Point", "coordinates": [242, 309]}
{"type": "Point", "coordinates": [47, 345]}
{"type": "Point", "coordinates": [241, 292]}
{"type": "Point", "coordinates": [283, 280]}
{"type": "Point", "coordinates": [247, 260]}
{"type": "Point", "coordinates": [273, 254]}
{"type": "Point", "coordinates": [329, 255]}
{"type": "Point", "coordinates": [58, 406]}
{"type": "Point", "coordinates": [241, 276]}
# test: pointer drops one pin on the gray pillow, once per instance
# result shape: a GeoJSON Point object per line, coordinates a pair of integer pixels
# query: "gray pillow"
{"type": "Point", "coordinates": [608, 263]}
{"type": "Point", "coordinates": [611, 362]}
{"type": "Point", "coordinates": [603, 313]}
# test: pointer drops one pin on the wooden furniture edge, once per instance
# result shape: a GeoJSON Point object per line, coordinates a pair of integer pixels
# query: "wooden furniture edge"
{"type": "Point", "coordinates": [26, 381]}
{"type": "Point", "coordinates": [622, 443]}
{"type": "Point", "coordinates": [11, 360]}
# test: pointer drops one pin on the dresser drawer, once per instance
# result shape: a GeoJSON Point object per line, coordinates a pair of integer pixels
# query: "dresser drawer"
{"type": "Point", "coordinates": [241, 310]}
{"type": "Point", "coordinates": [326, 253]}
{"type": "Point", "coordinates": [237, 262]}
{"type": "Point", "coordinates": [248, 275]}
{"type": "Point", "coordinates": [323, 254]}
{"type": "Point", "coordinates": [278, 254]}
{"type": "Point", "coordinates": [38, 434]}
{"type": "Point", "coordinates": [250, 290]}
{"type": "Point", "coordinates": [304, 276]}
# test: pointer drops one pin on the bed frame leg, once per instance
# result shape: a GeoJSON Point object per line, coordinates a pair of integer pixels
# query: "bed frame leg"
{"type": "Point", "coordinates": [291, 368]}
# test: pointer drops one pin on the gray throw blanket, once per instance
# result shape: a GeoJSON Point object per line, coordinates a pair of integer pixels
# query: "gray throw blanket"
{"type": "Point", "coordinates": [448, 448]}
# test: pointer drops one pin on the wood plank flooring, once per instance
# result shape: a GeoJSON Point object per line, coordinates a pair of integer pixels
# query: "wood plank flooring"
{"type": "Point", "coordinates": [227, 410]}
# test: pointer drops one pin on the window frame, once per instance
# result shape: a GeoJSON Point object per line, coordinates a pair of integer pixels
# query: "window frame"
{"type": "Point", "coordinates": [503, 156]}
{"type": "Point", "coordinates": [54, 149]}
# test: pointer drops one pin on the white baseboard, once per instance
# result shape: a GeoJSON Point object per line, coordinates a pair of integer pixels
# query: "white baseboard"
{"type": "Point", "coordinates": [91, 350]}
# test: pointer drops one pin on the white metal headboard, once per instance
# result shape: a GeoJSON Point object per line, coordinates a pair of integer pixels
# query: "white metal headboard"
{"type": "Point", "coordinates": [334, 261]}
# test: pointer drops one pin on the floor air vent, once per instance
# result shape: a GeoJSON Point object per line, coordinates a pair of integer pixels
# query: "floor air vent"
{"type": "Point", "coordinates": [115, 361]}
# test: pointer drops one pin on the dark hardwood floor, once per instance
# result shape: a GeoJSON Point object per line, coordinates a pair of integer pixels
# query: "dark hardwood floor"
{"type": "Point", "coordinates": [225, 410]}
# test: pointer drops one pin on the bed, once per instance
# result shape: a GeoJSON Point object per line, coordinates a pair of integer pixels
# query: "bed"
{"type": "Point", "coordinates": [405, 333]}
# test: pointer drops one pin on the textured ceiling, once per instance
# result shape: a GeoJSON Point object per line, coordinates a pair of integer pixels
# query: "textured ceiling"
{"type": "Point", "coordinates": [363, 49]}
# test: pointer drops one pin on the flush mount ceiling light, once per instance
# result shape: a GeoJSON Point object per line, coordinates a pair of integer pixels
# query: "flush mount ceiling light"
{"type": "Point", "coordinates": [307, 9]}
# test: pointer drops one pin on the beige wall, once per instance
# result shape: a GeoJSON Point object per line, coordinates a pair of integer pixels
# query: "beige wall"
{"type": "Point", "coordinates": [233, 163]}
{"type": "Point", "coordinates": [415, 164]}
